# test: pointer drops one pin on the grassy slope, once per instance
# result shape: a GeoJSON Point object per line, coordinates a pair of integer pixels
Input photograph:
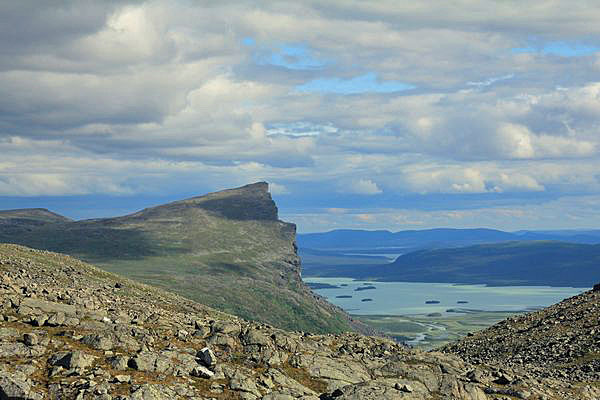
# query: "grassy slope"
{"type": "Point", "coordinates": [512, 263]}
{"type": "Point", "coordinates": [225, 250]}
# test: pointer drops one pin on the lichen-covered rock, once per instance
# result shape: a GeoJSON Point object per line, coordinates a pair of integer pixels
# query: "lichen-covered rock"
{"type": "Point", "coordinates": [14, 386]}
{"type": "Point", "coordinates": [71, 359]}
{"type": "Point", "coordinates": [138, 342]}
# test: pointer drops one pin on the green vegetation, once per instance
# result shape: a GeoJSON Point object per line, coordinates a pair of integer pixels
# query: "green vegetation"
{"type": "Point", "coordinates": [437, 331]}
{"type": "Point", "coordinates": [227, 250]}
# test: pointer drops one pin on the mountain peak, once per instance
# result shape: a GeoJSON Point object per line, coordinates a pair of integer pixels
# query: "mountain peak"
{"type": "Point", "coordinates": [33, 214]}
{"type": "Point", "coordinates": [248, 202]}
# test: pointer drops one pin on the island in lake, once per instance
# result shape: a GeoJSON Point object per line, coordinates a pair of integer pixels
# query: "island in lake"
{"type": "Point", "coordinates": [370, 287]}
{"type": "Point", "coordinates": [318, 285]}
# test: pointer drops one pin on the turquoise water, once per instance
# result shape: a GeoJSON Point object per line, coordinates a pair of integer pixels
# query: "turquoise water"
{"type": "Point", "coordinates": [407, 298]}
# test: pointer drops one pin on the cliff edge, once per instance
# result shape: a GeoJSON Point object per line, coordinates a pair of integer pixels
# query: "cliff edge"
{"type": "Point", "coordinates": [227, 249]}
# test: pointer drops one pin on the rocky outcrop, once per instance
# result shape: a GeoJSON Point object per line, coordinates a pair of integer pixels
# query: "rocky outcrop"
{"type": "Point", "coordinates": [117, 339]}
{"type": "Point", "coordinates": [558, 342]}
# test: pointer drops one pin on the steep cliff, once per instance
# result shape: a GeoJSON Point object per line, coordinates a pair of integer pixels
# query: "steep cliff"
{"type": "Point", "coordinates": [227, 249]}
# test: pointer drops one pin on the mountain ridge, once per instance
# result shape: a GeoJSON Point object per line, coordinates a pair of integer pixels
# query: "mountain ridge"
{"type": "Point", "coordinates": [433, 238]}
{"type": "Point", "coordinates": [34, 214]}
{"type": "Point", "coordinates": [498, 264]}
{"type": "Point", "coordinates": [226, 249]}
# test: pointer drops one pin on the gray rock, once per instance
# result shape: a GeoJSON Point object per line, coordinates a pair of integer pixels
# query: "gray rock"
{"type": "Point", "coordinates": [207, 357]}
{"type": "Point", "coordinates": [231, 328]}
{"type": "Point", "coordinates": [503, 379]}
{"type": "Point", "coordinates": [256, 337]}
{"type": "Point", "coordinates": [475, 376]}
{"type": "Point", "coordinates": [71, 321]}
{"type": "Point", "coordinates": [98, 341]}
{"type": "Point", "coordinates": [404, 388]}
{"type": "Point", "coordinates": [143, 361]}
{"type": "Point", "coordinates": [38, 320]}
{"type": "Point", "coordinates": [122, 379]}
{"type": "Point", "coordinates": [70, 360]}
{"type": "Point", "coordinates": [14, 385]}
{"type": "Point", "coordinates": [25, 369]}
{"type": "Point", "coordinates": [119, 363]}
{"type": "Point", "coordinates": [49, 306]}
{"type": "Point", "coordinates": [9, 333]}
{"type": "Point", "coordinates": [202, 372]}
{"type": "Point", "coordinates": [153, 392]}
{"type": "Point", "coordinates": [14, 350]}
{"type": "Point", "coordinates": [56, 319]}
{"type": "Point", "coordinates": [30, 339]}
{"type": "Point", "coordinates": [244, 383]}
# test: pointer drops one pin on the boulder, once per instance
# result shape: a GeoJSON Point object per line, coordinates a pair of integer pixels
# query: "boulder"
{"type": "Point", "coordinates": [143, 361]}
{"type": "Point", "coordinates": [56, 319]}
{"type": "Point", "coordinates": [73, 359]}
{"type": "Point", "coordinates": [207, 358]}
{"type": "Point", "coordinates": [30, 339]}
{"type": "Point", "coordinates": [119, 362]}
{"type": "Point", "coordinates": [201, 372]}
{"type": "Point", "coordinates": [98, 341]}
{"type": "Point", "coordinates": [48, 306]}
{"type": "Point", "coordinates": [14, 385]}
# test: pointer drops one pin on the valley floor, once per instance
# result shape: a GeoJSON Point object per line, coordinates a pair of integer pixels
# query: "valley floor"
{"type": "Point", "coordinates": [431, 332]}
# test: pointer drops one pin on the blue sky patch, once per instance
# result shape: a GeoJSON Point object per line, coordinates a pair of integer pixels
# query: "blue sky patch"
{"type": "Point", "coordinates": [248, 41]}
{"type": "Point", "coordinates": [367, 83]}
{"type": "Point", "coordinates": [299, 129]}
{"type": "Point", "coordinates": [290, 56]}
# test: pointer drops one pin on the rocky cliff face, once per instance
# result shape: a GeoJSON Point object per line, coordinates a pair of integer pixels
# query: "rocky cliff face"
{"type": "Point", "coordinates": [226, 249]}
{"type": "Point", "coordinates": [69, 330]}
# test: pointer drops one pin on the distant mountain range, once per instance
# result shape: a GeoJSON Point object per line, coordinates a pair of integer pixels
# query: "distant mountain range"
{"type": "Point", "coordinates": [227, 249]}
{"type": "Point", "coordinates": [510, 263]}
{"type": "Point", "coordinates": [345, 239]}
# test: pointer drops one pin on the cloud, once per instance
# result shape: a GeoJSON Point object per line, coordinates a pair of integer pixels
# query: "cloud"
{"type": "Point", "coordinates": [560, 48]}
{"type": "Point", "coordinates": [365, 217]}
{"type": "Point", "coordinates": [132, 98]}
{"type": "Point", "coordinates": [337, 210]}
{"type": "Point", "coordinates": [278, 189]}
{"type": "Point", "coordinates": [362, 186]}
{"type": "Point", "coordinates": [360, 84]}
{"type": "Point", "coordinates": [489, 81]}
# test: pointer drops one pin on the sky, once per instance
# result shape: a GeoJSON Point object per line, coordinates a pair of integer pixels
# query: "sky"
{"type": "Point", "coordinates": [367, 115]}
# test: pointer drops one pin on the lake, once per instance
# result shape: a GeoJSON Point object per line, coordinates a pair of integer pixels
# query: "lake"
{"type": "Point", "coordinates": [409, 298]}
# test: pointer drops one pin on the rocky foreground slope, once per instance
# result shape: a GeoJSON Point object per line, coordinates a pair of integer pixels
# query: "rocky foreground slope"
{"type": "Point", "coordinates": [226, 249]}
{"type": "Point", "coordinates": [561, 341]}
{"type": "Point", "coordinates": [71, 331]}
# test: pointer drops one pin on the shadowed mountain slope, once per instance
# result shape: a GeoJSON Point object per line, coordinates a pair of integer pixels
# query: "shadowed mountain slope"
{"type": "Point", "coordinates": [227, 249]}
{"type": "Point", "coordinates": [512, 263]}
